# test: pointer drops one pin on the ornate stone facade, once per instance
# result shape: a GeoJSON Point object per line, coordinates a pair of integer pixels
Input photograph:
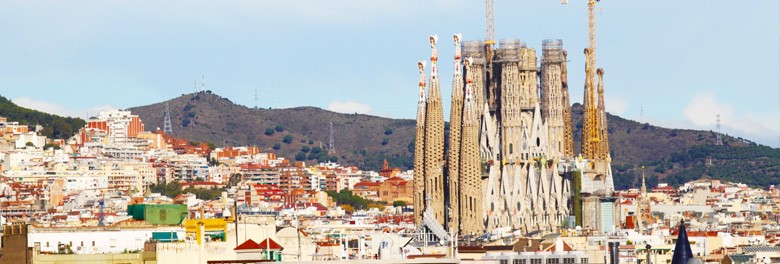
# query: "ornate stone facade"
{"type": "Point", "coordinates": [510, 157]}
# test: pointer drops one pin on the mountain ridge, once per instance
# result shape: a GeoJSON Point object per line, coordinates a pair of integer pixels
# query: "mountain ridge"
{"type": "Point", "coordinates": [663, 154]}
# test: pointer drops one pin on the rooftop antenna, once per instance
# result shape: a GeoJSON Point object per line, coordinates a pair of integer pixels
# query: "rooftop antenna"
{"type": "Point", "coordinates": [195, 86]}
{"type": "Point", "coordinates": [331, 147]}
{"type": "Point", "coordinates": [718, 138]}
{"type": "Point", "coordinates": [255, 98]}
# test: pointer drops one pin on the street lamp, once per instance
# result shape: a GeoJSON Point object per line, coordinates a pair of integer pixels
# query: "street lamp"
{"type": "Point", "coordinates": [647, 257]}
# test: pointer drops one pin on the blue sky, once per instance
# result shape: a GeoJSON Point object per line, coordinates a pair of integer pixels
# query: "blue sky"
{"type": "Point", "coordinates": [681, 62]}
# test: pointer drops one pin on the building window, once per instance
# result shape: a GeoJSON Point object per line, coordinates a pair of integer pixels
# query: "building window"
{"type": "Point", "coordinates": [503, 261]}
{"type": "Point", "coordinates": [553, 261]}
{"type": "Point", "coordinates": [536, 261]}
{"type": "Point", "coordinates": [163, 215]}
{"type": "Point", "coordinates": [518, 261]}
{"type": "Point", "coordinates": [584, 261]}
{"type": "Point", "coordinates": [93, 243]}
{"type": "Point", "coordinates": [568, 261]}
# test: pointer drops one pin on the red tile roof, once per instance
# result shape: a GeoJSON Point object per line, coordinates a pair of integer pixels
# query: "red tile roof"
{"type": "Point", "coordinates": [273, 245]}
{"type": "Point", "coordinates": [249, 244]}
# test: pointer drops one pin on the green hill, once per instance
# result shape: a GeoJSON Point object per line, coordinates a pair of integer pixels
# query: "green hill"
{"type": "Point", "coordinates": [669, 155]}
{"type": "Point", "coordinates": [54, 126]}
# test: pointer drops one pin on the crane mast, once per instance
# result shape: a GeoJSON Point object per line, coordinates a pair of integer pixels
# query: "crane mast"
{"type": "Point", "coordinates": [490, 25]}
{"type": "Point", "coordinates": [592, 33]}
{"type": "Point", "coordinates": [590, 82]}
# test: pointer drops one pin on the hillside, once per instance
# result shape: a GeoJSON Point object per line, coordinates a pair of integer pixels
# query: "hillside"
{"type": "Point", "coordinates": [676, 156]}
{"type": "Point", "coordinates": [359, 139]}
{"type": "Point", "coordinates": [669, 155]}
{"type": "Point", "coordinates": [54, 126]}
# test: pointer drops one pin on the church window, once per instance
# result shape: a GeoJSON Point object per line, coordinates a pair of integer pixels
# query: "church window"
{"type": "Point", "coordinates": [538, 142]}
{"type": "Point", "coordinates": [510, 148]}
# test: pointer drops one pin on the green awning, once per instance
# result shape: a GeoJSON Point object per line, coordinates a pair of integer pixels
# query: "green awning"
{"type": "Point", "coordinates": [164, 236]}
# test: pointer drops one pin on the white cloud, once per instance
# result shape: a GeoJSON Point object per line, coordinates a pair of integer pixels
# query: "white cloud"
{"type": "Point", "coordinates": [703, 110]}
{"type": "Point", "coordinates": [57, 109]}
{"type": "Point", "coordinates": [702, 113]}
{"type": "Point", "coordinates": [349, 107]}
{"type": "Point", "coordinates": [42, 106]}
{"type": "Point", "coordinates": [616, 105]}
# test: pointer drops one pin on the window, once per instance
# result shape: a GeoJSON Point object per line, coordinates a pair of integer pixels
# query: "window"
{"type": "Point", "coordinates": [553, 261]}
{"type": "Point", "coordinates": [93, 243]}
{"type": "Point", "coordinates": [503, 261]}
{"type": "Point", "coordinates": [518, 261]}
{"type": "Point", "coordinates": [163, 215]}
{"type": "Point", "coordinates": [536, 261]}
{"type": "Point", "coordinates": [584, 261]}
{"type": "Point", "coordinates": [568, 261]}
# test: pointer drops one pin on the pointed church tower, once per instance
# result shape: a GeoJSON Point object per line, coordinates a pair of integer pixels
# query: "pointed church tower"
{"type": "Point", "coordinates": [568, 133]}
{"type": "Point", "coordinates": [453, 158]}
{"type": "Point", "coordinates": [470, 167]}
{"type": "Point", "coordinates": [419, 150]}
{"type": "Point", "coordinates": [603, 150]}
{"type": "Point", "coordinates": [434, 140]}
{"type": "Point", "coordinates": [590, 138]}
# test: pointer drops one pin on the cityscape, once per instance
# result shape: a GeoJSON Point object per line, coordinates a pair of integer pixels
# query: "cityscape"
{"type": "Point", "coordinates": [528, 167]}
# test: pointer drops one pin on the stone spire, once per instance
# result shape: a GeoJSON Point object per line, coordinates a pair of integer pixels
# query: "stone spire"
{"type": "Point", "coordinates": [419, 150]}
{"type": "Point", "coordinates": [552, 105]}
{"type": "Point", "coordinates": [589, 114]}
{"type": "Point", "coordinates": [434, 140]}
{"type": "Point", "coordinates": [568, 141]}
{"type": "Point", "coordinates": [603, 151]}
{"type": "Point", "coordinates": [471, 192]}
{"type": "Point", "coordinates": [453, 158]}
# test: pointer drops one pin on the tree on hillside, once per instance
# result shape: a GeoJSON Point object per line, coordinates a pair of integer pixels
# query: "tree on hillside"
{"type": "Point", "coordinates": [287, 139]}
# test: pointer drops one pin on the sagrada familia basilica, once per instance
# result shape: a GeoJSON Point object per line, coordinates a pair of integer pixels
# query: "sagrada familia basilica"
{"type": "Point", "coordinates": [510, 163]}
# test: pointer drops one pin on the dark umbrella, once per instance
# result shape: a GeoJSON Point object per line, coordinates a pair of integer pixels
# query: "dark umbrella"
{"type": "Point", "coordinates": [682, 250]}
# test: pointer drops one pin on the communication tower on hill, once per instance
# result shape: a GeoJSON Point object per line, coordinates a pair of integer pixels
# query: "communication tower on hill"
{"type": "Point", "coordinates": [167, 128]}
{"type": "Point", "coordinates": [331, 147]}
{"type": "Point", "coordinates": [718, 138]}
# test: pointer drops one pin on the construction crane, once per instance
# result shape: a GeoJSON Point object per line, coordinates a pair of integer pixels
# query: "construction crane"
{"type": "Point", "coordinates": [590, 119]}
{"type": "Point", "coordinates": [490, 31]}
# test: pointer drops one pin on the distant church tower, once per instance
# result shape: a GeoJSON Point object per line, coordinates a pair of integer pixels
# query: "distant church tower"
{"type": "Point", "coordinates": [644, 216]}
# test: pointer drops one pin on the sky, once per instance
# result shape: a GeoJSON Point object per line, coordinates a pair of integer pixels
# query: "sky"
{"type": "Point", "coordinates": [675, 64]}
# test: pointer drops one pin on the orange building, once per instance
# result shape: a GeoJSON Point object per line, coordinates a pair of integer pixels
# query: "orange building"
{"type": "Point", "coordinates": [393, 189]}
{"type": "Point", "coordinates": [231, 152]}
